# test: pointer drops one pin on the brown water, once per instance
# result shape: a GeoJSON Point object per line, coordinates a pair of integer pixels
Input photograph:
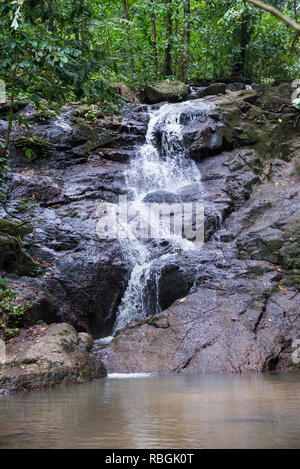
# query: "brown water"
{"type": "Point", "coordinates": [224, 411]}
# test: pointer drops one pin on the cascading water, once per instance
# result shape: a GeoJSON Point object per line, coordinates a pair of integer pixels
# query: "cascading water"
{"type": "Point", "coordinates": [161, 164]}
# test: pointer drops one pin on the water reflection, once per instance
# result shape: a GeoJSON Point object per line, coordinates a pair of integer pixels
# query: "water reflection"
{"type": "Point", "coordinates": [254, 411]}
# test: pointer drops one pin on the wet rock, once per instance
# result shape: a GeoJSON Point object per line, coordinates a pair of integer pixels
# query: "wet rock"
{"type": "Point", "coordinates": [116, 154]}
{"type": "Point", "coordinates": [37, 303]}
{"type": "Point", "coordinates": [167, 90]}
{"type": "Point", "coordinates": [191, 193]}
{"type": "Point", "coordinates": [91, 284]}
{"type": "Point", "coordinates": [204, 139]}
{"type": "Point", "coordinates": [85, 341]}
{"type": "Point", "coordinates": [44, 191]}
{"type": "Point", "coordinates": [235, 87]}
{"type": "Point", "coordinates": [170, 279]}
{"type": "Point", "coordinates": [213, 89]}
{"type": "Point", "coordinates": [42, 357]}
{"type": "Point", "coordinates": [160, 197]}
{"type": "Point", "coordinates": [223, 326]}
{"type": "Point", "coordinates": [264, 244]}
{"type": "Point", "coordinates": [13, 257]}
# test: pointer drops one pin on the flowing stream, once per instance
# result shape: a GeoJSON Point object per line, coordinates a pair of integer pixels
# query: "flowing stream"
{"type": "Point", "coordinates": [159, 170]}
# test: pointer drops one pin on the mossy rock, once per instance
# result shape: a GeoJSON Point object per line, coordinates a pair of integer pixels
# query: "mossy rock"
{"type": "Point", "coordinates": [5, 107]}
{"type": "Point", "coordinates": [13, 228]}
{"type": "Point", "coordinates": [166, 90]}
{"type": "Point", "coordinates": [290, 257]}
{"type": "Point", "coordinates": [12, 258]}
{"type": "Point", "coordinates": [25, 204]}
{"type": "Point", "coordinates": [39, 147]}
{"type": "Point", "coordinates": [9, 250]}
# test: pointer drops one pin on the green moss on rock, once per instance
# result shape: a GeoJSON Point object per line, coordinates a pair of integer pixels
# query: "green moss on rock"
{"type": "Point", "coordinates": [166, 90]}
{"type": "Point", "coordinates": [39, 146]}
{"type": "Point", "coordinates": [290, 257]}
{"type": "Point", "coordinates": [12, 258]}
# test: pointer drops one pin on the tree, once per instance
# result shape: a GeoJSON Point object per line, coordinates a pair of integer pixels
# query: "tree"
{"type": "Point", "coordinates": [184, 59]}
{"type": "Point", "coordinates": [274, 11]}
{"type": "Point", "coordinates": [45, 57]}
{"type": "Point", "coordinates": [169, 29]}
{"type": "Point", "coordinates": [154, 36]}
{"type": "Point", "coordinates": [126, 17]}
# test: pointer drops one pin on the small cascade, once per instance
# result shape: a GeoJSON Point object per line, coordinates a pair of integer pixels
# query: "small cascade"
{"type": "Point", "coordinates": [161, 164]}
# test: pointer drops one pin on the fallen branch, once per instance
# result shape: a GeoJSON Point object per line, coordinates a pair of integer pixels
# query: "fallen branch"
{"type": "Point", "coordinates": [273, 11]}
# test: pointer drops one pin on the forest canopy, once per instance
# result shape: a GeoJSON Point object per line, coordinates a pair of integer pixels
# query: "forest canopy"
{"type": "Point", "coordinates": [80, 49]}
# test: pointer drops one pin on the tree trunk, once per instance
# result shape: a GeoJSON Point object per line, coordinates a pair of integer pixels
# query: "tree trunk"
{"type": "Point", "coordinates": [169, 28]}
{"type": "Point", "coordinates": [295, 11]}
{"type": "Point", "coordinates": [154, 39]}
{"type": "Point", "coordinates": [184, 59]}
{"type": "Point", "coordinates": [126, 17]}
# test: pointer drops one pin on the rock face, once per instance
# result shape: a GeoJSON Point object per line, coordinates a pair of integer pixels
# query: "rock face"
{"type": "Point", "coordinates": [212, 330]}
{"type": "Point", "coordinates": [58, 194]}
{"type": "Point", "coordinates": [166, 90]}
{"type": "Point", "coordinates": [229, 322]}
{"type": "Point", "coordinates": [237, 305]}
{"type": "Point", "coordinates": [239, 308]}
{"type": "Point", "coordinates": [44, 356]}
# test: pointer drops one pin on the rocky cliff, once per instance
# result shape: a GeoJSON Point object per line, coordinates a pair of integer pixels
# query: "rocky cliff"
{"type": "Point", "coordinates": [234, 305]}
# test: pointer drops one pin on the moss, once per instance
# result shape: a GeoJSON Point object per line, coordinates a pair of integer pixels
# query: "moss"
{"type": "Point", "coordinates": [38, 146]}
{"type": "Point", "coordinates": [289, 257]}
{"type": "Point", "coordinates": [46, 112]}
{"type": "Point", "coordinates": [13, 228]}
{"type": "Point", "coordinates": [10, 333]}
{"type": "Point", "coordinates": [10, 313]}
{"type": "Point", "coordinates": [64, 332]}
{"type": "Point", "coordinates": [5, 380]}
{"type": "Point", "coordinates": [87, 113]}
{"type": "Point", "coordinates": [257, 212]}
{"type": "Point", "coordinates": [25, 204]}
{"type": "Point", "coordinates": [12, 258]}
{"type": "Point", "coordinates": [275, 288]}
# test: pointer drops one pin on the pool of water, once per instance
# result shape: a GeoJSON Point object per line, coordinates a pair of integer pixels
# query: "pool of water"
{"type": "Point", "coordinates": [177, 411]}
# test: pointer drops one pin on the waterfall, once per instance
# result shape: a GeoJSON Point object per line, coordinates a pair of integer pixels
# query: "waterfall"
{"type": "Point", "coordinates": [160, 164]}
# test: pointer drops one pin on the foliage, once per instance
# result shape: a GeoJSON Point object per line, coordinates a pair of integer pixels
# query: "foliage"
{"type": "Point", "coordinates": [34, 146]}
{"type": "Point", "coordinates": [226, 37]}
{"type": "Point", "coordinates": [68, 50]}
{"type": "Point", "coordinates": [78, 49]}
{"type": "Point", "coordinates": [10, 312]}
{"type": "Point", "coordinates": [296, 102]}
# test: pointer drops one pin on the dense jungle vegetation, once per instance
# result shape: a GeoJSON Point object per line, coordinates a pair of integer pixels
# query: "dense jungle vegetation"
{"type": "Point", "coordinates": [80, 49]}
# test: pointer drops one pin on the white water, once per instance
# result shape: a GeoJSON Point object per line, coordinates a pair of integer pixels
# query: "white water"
{"type": "Point", "coordinates": [156, 166]}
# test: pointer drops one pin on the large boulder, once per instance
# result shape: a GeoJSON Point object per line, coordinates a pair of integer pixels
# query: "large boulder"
{"type": "Point", "coordinates": [44, 356]}
{"type": "Point", "coordinates": [167, 90]}
{"type": "Point", "coordinates": [210, 90]}
{"type": "Point", "coordinates": [229, 322]}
